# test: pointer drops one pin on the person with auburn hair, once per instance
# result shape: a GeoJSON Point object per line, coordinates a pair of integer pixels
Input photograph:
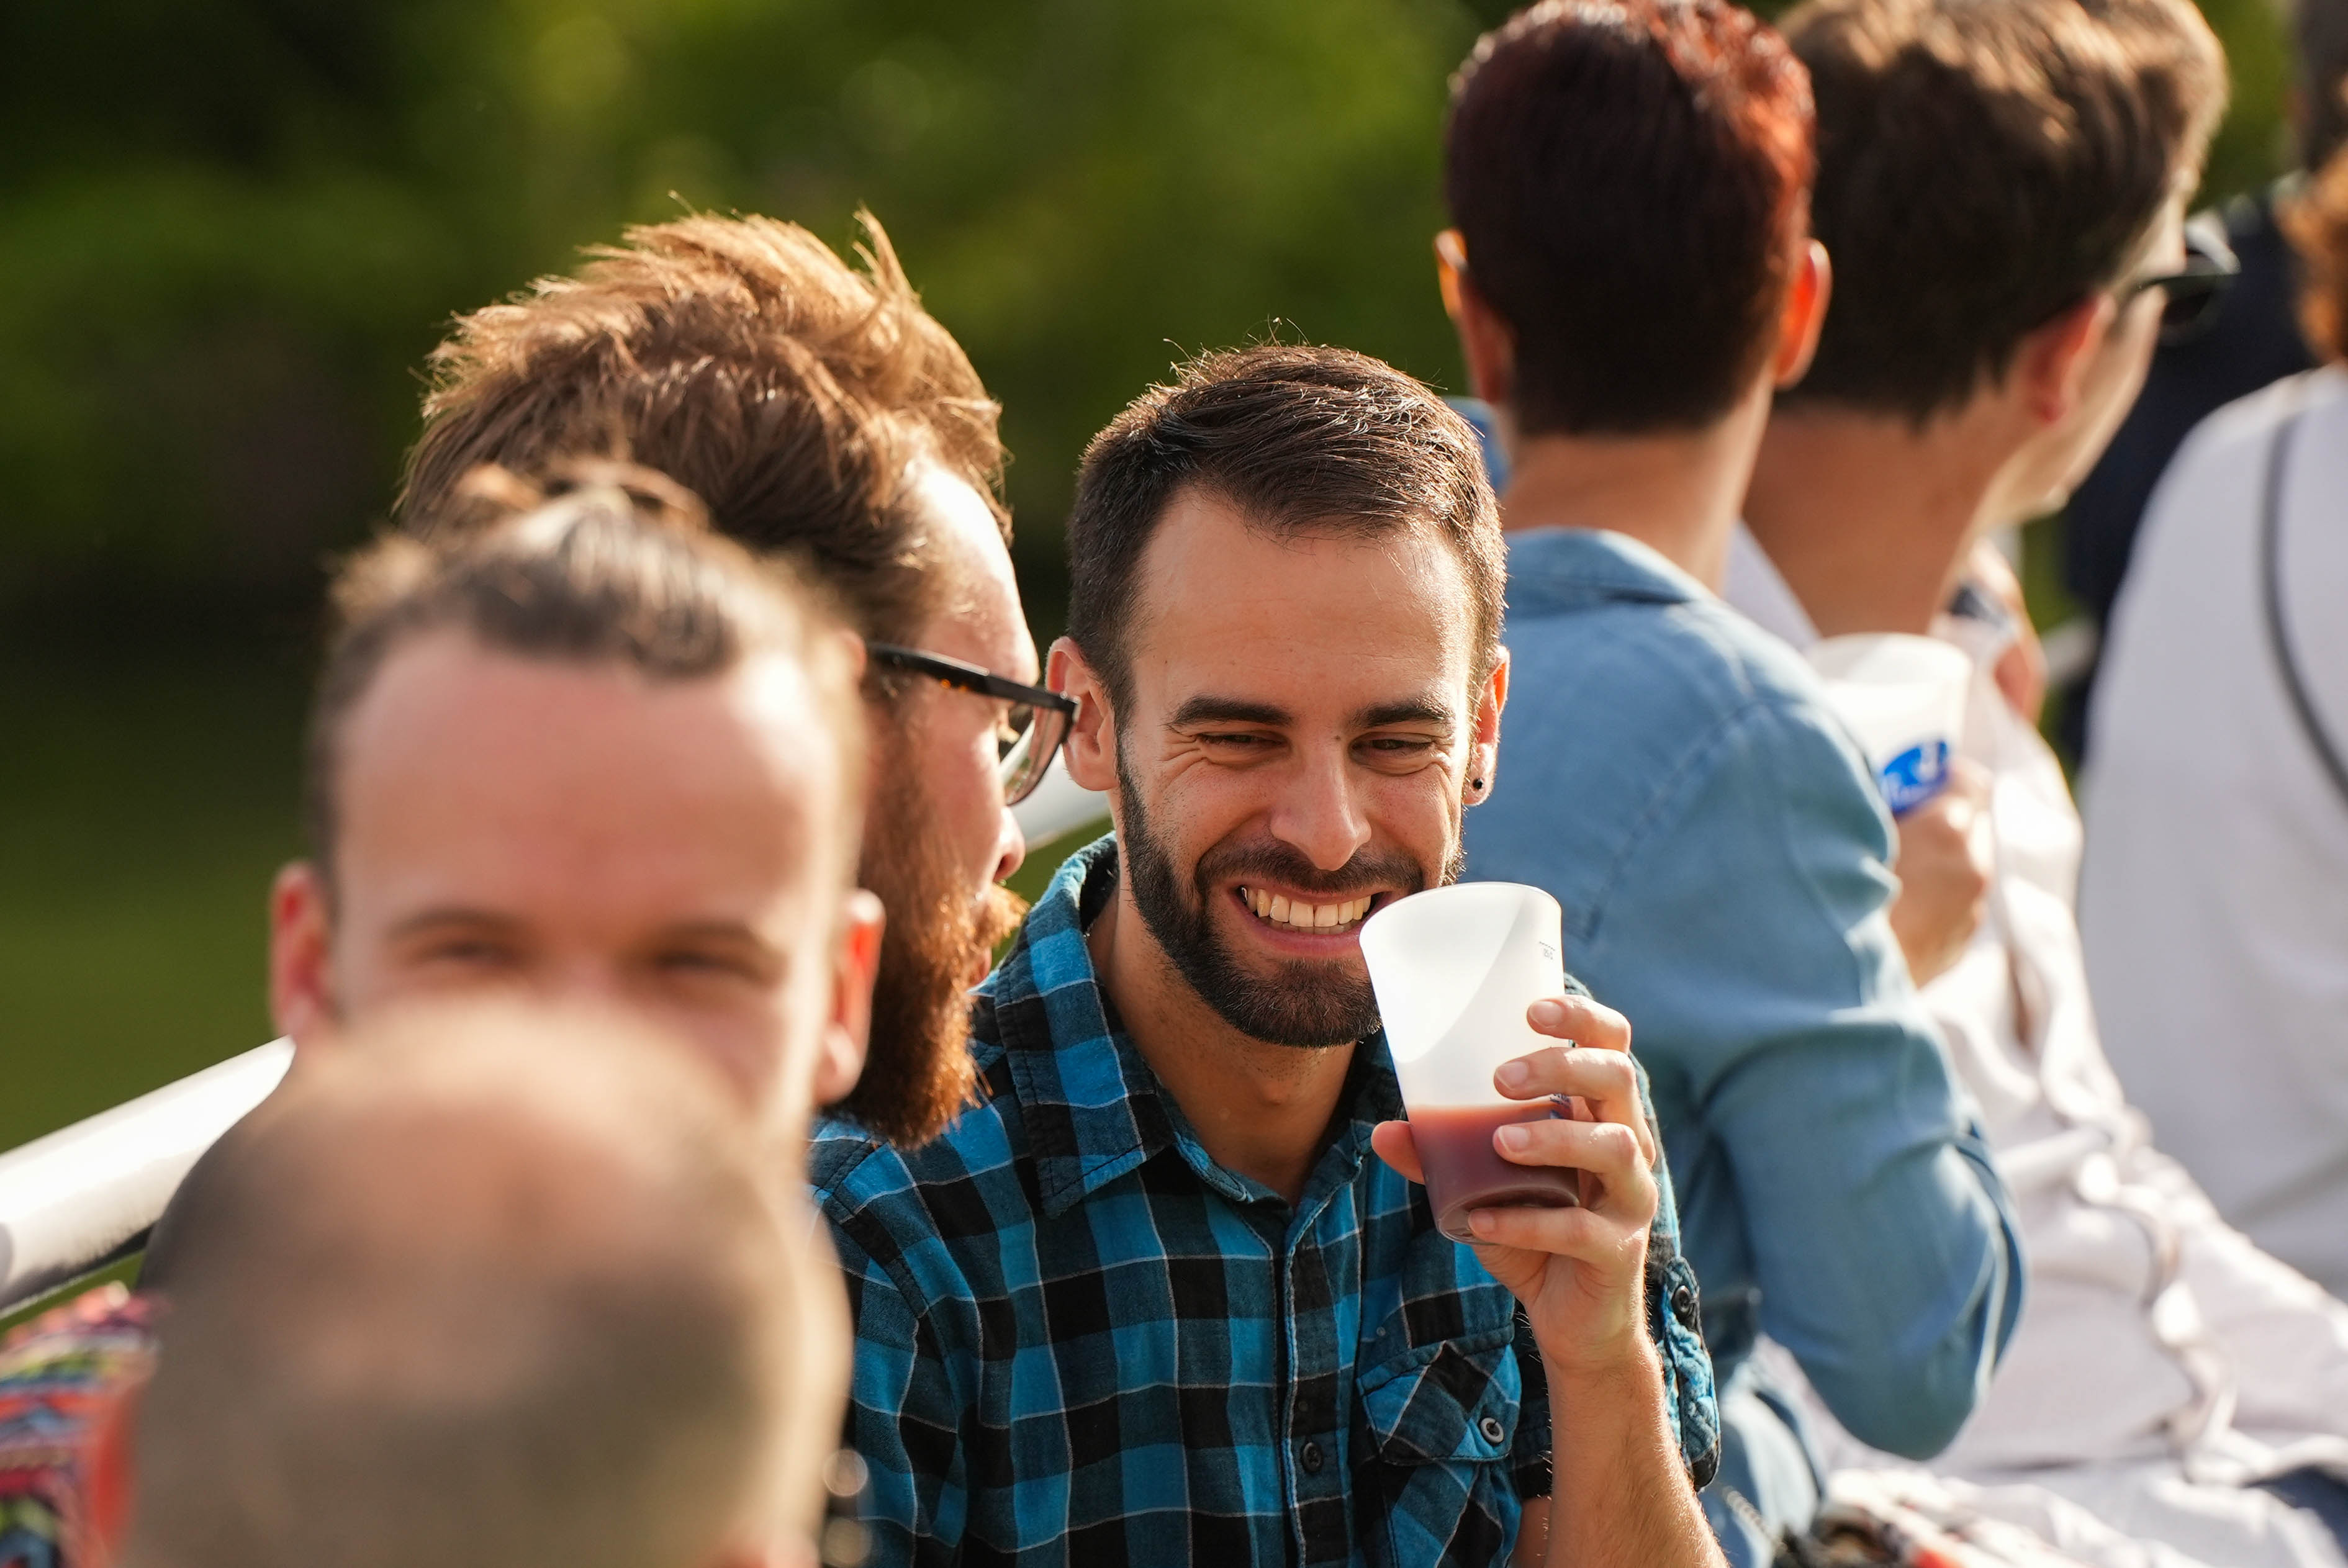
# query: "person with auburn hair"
{"type": "Point", "coordinates": [1632, 277]}
{"type": "Point", "coordinates": [495, 1286]}
{"type": "Point", "coordinates": [821, 414]}
{"type": "Point", "coordinates": [588, 747]}
{"type": "Point", "coordinates": [1170, 1295]}
{"type": "Point", "coordinates": [2218, 811]}
{"type": "Point", "coordinates": [2170, 1380]}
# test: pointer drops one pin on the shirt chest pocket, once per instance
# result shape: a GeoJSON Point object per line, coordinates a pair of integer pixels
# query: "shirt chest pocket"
{"type": "Point", "coordinates": [1441, 1428]}
{"type": "Point", "coordinates": [1456, 1400]}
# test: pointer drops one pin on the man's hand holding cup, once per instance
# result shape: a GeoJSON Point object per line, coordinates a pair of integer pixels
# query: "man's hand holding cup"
{"type": "Point", "coordinates": [1542, 1158]}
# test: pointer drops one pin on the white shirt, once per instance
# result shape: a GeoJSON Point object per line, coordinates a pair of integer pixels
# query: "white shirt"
{"type": "Point", "coordinates": [2215, 902]}
{"type": "Point", "coordinates": [2161, 1361]}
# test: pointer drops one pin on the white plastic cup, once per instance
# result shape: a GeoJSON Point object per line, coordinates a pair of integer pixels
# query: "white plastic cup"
{"type": "Point", "coordinates": [1903, 697]}
{"type": "Point", "coordinates": [1454, 970]}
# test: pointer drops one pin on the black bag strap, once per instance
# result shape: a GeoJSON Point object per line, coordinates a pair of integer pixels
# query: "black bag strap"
{"type": "Point", "coordinates": [2278, 630]}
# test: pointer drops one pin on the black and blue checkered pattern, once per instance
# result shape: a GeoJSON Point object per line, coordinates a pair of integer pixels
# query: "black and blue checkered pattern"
{"type": "Point", "coordinates": [1081, 1341]}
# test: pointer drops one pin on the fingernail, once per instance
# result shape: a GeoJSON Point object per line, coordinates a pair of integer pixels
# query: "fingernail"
{"type": "Point", "coordinates": [1481, 1221]}
{"type": "Point", "coordinates": [1513, 1075]}
{"type": "Point", "coordinates": [1516, 1136]}
{"type": "Point", "coordinates": [1549, 1011]}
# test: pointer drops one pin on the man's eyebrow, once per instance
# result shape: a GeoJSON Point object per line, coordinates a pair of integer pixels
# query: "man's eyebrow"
{"type": "Point", "coordinates": [1412, 710]}
{"type": "Point", "coordinates": [1227, 710]}
{"type": "Point", "coordinates": [450, 915]}
{"type": "Point", "coordinates": [740, 931]}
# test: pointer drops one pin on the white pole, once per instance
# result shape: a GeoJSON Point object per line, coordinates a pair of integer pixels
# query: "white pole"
{"type": "Point", "coordinates": [69, 1201]}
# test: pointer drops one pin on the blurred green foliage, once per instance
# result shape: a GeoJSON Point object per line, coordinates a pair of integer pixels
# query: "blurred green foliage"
{"type": "Point", "coordinates": [230, 230]}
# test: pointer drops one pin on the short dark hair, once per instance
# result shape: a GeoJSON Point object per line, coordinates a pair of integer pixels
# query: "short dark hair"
{"type": "Point", "coordinates": [1301, 440]}
{"type": "Point", "coordinates": [1630, 177]}
{"type": "Point", "coordinates": [1984, 166]}
{"type": "Point", "coordinates": [745, 360]}
{"type": "Point", "coordinates": [606, 563]}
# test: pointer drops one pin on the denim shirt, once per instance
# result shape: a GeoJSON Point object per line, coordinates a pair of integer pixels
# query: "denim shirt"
{"type": "Point", "coordinates": [1081, 1340]}
{"type": "Point", "coordinates": [1671, 774]}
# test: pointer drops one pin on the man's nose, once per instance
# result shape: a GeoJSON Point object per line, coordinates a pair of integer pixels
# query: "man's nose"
{"type": "Point", "coordinates": [587, 977]}
{"type": "Point", "coordinates": [1318, 813]}
{"type": "Point", "coordinates": [1010, 848]}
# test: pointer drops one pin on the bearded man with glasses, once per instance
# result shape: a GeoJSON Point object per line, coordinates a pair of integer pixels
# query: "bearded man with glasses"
{"type": "Point", "coordinates": [822, 414]}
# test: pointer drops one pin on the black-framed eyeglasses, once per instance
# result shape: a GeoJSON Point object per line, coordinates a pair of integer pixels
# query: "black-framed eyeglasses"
{"type": "Point", "coordinates": [2196, 291]}
{"type": "Point", "coordinates": [1035, 721]}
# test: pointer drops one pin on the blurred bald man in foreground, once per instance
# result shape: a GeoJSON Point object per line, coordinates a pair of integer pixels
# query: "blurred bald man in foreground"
{"type": "Point", "coordinates": [500, 1288]}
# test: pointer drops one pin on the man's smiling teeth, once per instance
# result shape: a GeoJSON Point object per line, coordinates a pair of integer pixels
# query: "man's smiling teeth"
{"type": "Point", "coordinates": [1299, 916]}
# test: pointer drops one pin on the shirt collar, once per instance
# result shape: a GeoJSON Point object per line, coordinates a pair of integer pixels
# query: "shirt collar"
{"type": "Point", "coordinates": [1758, 591]}
{"type": "Point", "coordinates": [1557, 570]}
{"type": "Point", "coordinates": [1093, 1107]}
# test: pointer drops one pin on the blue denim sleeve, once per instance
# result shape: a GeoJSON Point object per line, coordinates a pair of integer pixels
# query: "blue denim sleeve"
{"type": "Point", "coordinates": [1744, 934]}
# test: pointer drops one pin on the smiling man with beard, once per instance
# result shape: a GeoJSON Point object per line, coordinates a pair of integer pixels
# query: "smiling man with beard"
{"type": "Point", "coordinates": [1165, 1296]}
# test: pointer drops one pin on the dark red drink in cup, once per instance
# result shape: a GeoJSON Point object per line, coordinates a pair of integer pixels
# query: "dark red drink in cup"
{"type": "Point", "coordinates": [1454, 970]}
{"type": "Point", "coordinates": [1466, 1172]}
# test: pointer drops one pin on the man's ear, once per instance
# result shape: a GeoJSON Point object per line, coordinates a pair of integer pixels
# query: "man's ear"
{"type": "Point", "coordinates": [2050, 370]}
{"type": "Point", "coordinates": [1487, 341]}
{"type": "Point", "coordinates": [301, 954]}
{"type": "Point", "coordinates": [1805, 314]}
{"type": "Point", "coordinates": [848, 1031]}
{"type": "Point", "coordinates": [1484, 753]}
{"type": "Point", "coordinates": [1091, 746]}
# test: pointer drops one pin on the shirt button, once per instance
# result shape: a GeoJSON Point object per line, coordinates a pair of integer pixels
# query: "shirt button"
{"type": "Point", "coordinates": [1312, 1457]}
{"type": "Point", "coordinates": [1684, 1305]}
{"type": "Point", "coordinates": [1492, 1430]}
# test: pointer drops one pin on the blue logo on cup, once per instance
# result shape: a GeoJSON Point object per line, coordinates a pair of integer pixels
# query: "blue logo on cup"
{"type": "Point", "coordinates": [1916, 775]}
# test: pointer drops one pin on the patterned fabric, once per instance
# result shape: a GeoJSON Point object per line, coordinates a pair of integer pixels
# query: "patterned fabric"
{"type": "Point", "coordinates": [56, 1374]}
{"type": "Point", "coordinates": [1082, 1341]}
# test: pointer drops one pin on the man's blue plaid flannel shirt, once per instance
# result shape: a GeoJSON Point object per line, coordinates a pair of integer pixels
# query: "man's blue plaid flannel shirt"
{"type": "Point", "coordinates": [1081, 1341]}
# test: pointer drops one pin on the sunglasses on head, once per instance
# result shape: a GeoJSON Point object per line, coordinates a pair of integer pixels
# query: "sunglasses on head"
{"type": "Point", "coordinates": [2196, 291]}
{"type": "Point", "coordinates": [1035, 719]}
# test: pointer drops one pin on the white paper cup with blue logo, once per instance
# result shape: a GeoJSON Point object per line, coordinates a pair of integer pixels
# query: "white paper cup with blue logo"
{"type": "Point", "coordinates": [1903, 698]}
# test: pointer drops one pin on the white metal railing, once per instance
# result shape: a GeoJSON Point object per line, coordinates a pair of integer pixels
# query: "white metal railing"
{"type": "Point", "coordinates": [85, 1196]}
{"type": "Point", "coordinates": [71, 1202]}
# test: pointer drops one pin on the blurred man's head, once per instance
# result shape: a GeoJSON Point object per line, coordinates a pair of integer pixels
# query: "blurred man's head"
{"type": "Point", "coordinates": [822, 414]}
{"type": "Point", "coordinates": [590, 753]}
{"type": "Point", "coordinates": [1998, 181]}
{"type": "Point", "coordinates": [1285, 634]}
{"type": "Point", "coordinates": [503, 1287]}
{"type": "Point", "coordinates": [1629, 183]}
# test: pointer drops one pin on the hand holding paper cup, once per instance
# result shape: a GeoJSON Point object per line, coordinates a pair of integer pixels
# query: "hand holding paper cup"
{"type": "Point", "coordinates": [1454, 970]}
